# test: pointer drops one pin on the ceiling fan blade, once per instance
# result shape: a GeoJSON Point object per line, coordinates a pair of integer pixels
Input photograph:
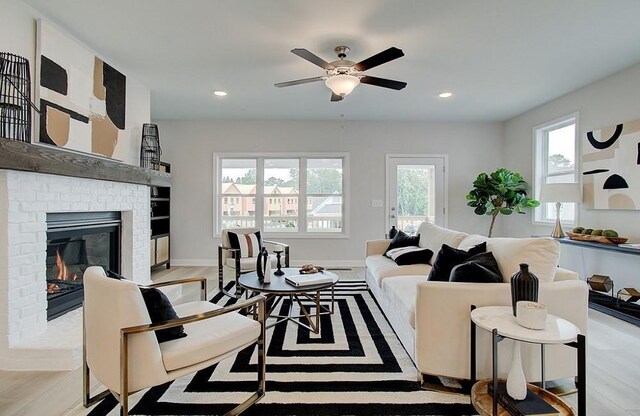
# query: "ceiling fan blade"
{"type": "Point", "coordinates": [298, 82]}
{"type": "Point", "coordinates": [314, 59]}
{"type": "Point", "coordinates": [335, 97]}
{"type": "Point", "coordinates": [382, 82]}
{"type": "Point", "coordinates": [379, 59]}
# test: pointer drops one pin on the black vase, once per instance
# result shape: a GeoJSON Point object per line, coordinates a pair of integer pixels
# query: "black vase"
{"type": "Point", "coordinates": [393, 232]}
{"type": "Point", "coordinates": [524, 286]}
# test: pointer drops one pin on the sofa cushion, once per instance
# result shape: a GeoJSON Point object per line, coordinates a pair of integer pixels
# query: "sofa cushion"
{"type": "Point", "coordinates": [541, 254]}
{"type": "Point", "coordinates": [402, 239]}
{"type": "Point", "coordinates": [481, 268]}
{"type": "Point", "coordinates": [208, 338]}
{"type": "Point", "coordinates": [401, 294]}
{"type": "Point", "coordinates": [449, 257]}
{"type": "Point", "coordinates": [381, 267]}
{"type": "Point", "coordinates": [404, 256]}
{"type": "Point", "coordinates": [433, 237]}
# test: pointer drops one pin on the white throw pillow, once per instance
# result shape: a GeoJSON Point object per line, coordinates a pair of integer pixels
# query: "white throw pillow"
{"type": "Point", "coordinates": [433, 237]}
{"type": "Point", "coordinates": [541, 254]}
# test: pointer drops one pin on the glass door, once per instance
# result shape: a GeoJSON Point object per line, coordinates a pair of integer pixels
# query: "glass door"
{"type": "Point", "coordinates": [415, 191]}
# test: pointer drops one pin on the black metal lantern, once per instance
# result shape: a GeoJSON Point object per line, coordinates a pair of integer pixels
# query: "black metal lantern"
{"type": "Point", "coordinates": [15, 97]}
{"type": "Point", "coordinates": [150, 150]}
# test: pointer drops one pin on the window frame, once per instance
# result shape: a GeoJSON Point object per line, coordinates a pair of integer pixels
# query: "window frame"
{"type": "Point", "coordinates": [301, 197]}
{"type": "Point", "coordinates": [540, 165]}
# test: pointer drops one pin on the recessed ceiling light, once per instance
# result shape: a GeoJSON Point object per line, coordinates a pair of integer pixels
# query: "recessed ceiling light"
{"type": "Point", "coordinates": [445, 95]}
{"type": "Point", "coordinates": [220, 93]}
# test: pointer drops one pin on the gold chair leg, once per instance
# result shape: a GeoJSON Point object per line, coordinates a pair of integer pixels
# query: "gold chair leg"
{"type": "Point", "coordinates": [87, 400]}
{"type": "Point", "coordinates": [124, 374]}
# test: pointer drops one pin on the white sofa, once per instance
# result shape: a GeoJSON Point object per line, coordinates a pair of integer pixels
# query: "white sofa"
{"type": "Point", "coordinates": [432, 318]}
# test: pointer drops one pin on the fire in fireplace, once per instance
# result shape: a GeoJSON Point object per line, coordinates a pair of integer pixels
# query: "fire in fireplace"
{"type": "Point", "coordinates": [75, 241]}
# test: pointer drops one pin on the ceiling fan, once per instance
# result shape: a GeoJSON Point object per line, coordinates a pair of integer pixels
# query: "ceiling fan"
{"type": "Point", "coordinates": [344, 75]}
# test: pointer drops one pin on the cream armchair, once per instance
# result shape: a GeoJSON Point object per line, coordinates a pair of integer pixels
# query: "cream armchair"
{"type": "Point", "coordinates": [123, 353]}
{"type": "Point", "coordinates": [231, 261]}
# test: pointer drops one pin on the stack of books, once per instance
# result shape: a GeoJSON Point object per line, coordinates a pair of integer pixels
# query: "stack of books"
{"type": "Point", "coordinates": [531, 405]}
{"type": "Point", "coordinates": [299, 280]}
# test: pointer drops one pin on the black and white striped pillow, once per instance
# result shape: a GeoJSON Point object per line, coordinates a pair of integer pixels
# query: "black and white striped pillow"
{"type": "Point", "coordinates": [404, 256]}
{"type": "Point", "coordinates": [248, 244]}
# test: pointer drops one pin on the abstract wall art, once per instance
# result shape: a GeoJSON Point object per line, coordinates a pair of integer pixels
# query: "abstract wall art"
{"type": "Point", "coordinates": [83, 100]}
{"type": "Point", "coordinates": [611, 167]}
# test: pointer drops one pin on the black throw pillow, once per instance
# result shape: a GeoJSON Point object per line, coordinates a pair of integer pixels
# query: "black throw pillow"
{"type": "Point", "coordinates": [114, 275]}
{"type": "Point", "coordinates": [160, 310]}
{"type": "Point", "coordinates": [404, 256]}
{"type": "Point", "coordinates": [403, 239]}
{"type": "Point", "coordinates": [448, 258]}
{"type": "Point", "coordinates": [481, 268]}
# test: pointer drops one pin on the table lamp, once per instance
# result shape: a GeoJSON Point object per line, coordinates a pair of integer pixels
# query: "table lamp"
{"type": "Point", "coordinates": [559, 193]}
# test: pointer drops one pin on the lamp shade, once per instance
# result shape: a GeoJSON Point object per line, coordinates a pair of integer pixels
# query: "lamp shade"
{"type": "Point", "coordinates": [342, 84]}
{"type": "Point", "coordinates": [560, 192]}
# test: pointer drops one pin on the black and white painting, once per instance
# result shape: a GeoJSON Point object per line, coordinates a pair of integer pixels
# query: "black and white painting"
{"type": "Point", "coordinates": [611, 167]}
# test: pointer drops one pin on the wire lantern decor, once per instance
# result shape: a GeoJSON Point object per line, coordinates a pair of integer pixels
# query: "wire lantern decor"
{"type": "Point", "coordinates": [15, 97]}
{"type": "Point", "coordinates": [150, 150]}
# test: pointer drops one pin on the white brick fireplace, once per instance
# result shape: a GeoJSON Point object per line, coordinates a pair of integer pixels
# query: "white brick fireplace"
{"type": "Point", "coordinates": [27, 340]}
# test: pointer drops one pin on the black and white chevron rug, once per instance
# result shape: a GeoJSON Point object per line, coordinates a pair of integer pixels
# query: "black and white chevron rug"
{"type": "Point", "coordinates": [355, 366]}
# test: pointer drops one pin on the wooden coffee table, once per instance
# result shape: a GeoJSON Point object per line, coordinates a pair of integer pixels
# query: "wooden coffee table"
{"type": "Point", "coordinates": [279, 289]}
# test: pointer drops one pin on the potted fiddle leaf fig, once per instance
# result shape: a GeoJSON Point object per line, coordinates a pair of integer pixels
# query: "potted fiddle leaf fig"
{"type": "Point", "coordinates": [501, 192]}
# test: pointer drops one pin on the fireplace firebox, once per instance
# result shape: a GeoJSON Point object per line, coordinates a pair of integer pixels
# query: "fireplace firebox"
{"type": "Point", "coordinates": [75, 241]}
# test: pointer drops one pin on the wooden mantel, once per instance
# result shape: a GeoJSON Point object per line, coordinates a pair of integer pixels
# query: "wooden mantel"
{"type": "Point", "coordinates": [29, 157]}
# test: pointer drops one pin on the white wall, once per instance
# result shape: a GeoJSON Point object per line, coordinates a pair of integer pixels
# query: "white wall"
{"type": "Point", "coordinates": [612, 100]}
{"type": "Point", "coordinates": [189, 147]}
{"type": "Point", "coordinates": [18, 36]}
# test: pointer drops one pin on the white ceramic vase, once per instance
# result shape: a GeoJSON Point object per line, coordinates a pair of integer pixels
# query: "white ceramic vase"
{"type": "Point", "coordinates": [516, 383]}
{"type": "Point", "coordinates": [267, 272]}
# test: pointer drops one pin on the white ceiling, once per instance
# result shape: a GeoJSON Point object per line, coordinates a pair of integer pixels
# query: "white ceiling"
{"type": "Point", "coordinates": [500, 57]}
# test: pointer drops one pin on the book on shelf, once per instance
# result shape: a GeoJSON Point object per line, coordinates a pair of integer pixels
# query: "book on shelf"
{"type": "Point", "coordinates": [307, 279]}
{"type": "Point", "coordinates": [532, 405]}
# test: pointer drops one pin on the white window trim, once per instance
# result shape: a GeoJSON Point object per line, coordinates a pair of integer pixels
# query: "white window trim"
{"type": "Point", "coordinates": [302, 221]}
{"type": "Point", "coordinates": [540, 165]}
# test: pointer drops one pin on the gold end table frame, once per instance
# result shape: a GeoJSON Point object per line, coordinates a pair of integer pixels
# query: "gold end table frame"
{"type": "Point", "coordinates": [278, 289]}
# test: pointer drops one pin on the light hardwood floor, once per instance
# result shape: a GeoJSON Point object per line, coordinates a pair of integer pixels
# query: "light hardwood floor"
{"type": "Point", "coordinates": [613, 373]}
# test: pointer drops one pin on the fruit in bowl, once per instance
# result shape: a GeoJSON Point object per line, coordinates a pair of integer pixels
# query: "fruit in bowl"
{"type": "Point", "coordinates": [610, 233]}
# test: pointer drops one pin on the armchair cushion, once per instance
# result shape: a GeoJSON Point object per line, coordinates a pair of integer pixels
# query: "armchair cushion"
{"type": "Point", "coordinates": [160, 310]}
{"type": "Point", "coordinates": [481, 268]}
{"type": "Point", "coordinates": [248, 244]}
{"type": "Point", "coordinates": [210, 338]}
{"type": "Point", "coordinates": [249, 263]}
{"type": "Point", "coordinates": [449, 257]}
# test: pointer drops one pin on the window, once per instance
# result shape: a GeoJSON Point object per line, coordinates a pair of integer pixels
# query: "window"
{"type": "Point", "coordinates": [555, 162]}
{"type": "Point", "coordinates": [304, 196]}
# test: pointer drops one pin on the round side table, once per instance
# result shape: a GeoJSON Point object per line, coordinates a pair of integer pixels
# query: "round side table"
{"type": "Point", "coordinates": [499, 320]}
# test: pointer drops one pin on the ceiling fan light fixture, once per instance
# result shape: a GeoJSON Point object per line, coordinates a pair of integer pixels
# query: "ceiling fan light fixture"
{"type": "Point", "coordinates": [342, 84]}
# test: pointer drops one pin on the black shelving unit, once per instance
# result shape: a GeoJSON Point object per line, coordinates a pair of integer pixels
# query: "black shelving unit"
{"type": "Point", "coordinates": [160, 222]}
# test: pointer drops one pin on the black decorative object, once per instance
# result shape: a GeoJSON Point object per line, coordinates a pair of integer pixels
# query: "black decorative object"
{"type": "Point", "coordinates": [261, 263]}
{"type": "Point", "coordinates": [15, 98]}
{"type": "Point", "coordinates": [524, 286]}
{"type": "Point", "coordinates": [392, 232]}
{"type": "Point", "coordinates": [278, 272]}
{"type": "Point", "coordinates": [150, 150]}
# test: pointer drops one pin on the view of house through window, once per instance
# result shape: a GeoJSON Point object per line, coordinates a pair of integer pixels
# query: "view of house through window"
{"type": "Point", "coordinates": [292, 195]}
{"type": "Point", "coordinates": [556, 163]}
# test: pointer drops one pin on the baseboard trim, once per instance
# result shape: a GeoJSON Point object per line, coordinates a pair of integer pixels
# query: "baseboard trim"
{"type": "Point", "coordinates": [295, 263]}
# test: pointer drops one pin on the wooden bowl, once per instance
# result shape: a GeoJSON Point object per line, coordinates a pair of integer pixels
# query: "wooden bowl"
{"type": "Point", "coordinates": [597, 238]}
